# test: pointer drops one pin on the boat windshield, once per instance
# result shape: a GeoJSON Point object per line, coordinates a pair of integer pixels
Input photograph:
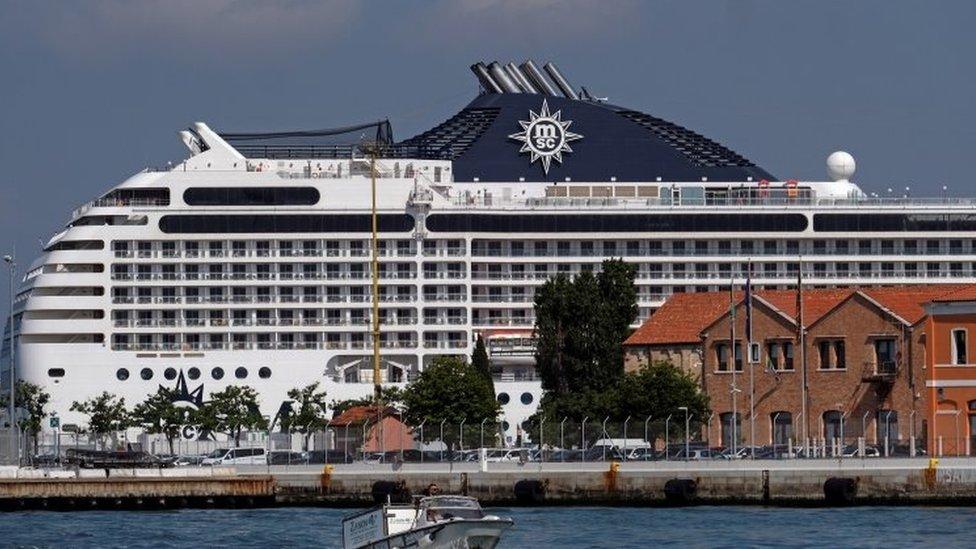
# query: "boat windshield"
{"type": "Point", "coordinates": [452, 507]}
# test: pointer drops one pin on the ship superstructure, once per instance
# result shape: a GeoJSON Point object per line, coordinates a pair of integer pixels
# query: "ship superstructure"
{"type": "Point", "coordinates": [249, 262]}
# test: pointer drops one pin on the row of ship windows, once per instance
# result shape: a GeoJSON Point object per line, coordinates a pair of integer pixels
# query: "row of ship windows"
{"type": "Point", "coordinates": [193, 373]}
{"type": "Point", "coordinates": [282, 248]}
{"type": "Point", "coordinates": [525, 398]}
{"type": "Point", "coordinates": [170, 373]}
{"type": "Point", "coordinates": [362, 248]}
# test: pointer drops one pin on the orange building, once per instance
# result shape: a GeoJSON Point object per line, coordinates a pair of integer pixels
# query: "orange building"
{"type": "Point", "coordinates": [383, 432]}
{"type": "Point", "coordinates": [950, 376]}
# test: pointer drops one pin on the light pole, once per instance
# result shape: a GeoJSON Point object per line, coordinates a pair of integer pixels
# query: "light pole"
{"type": "Point", "coordinates": [11, 407]}
{"type": "Point", "coordinates": [687, 426]}
{"type": "Point", "coordinates": [667, 437]}
{"type": "Point", "coordinates": [583, 438]}
{"type": "Point", "coordinates": [443, 444]}
{"type": "Point", "coordinates": [650, 447]}
{"type": "Point", "coordinates": [605, 436]}
{"type": "Point", "coordinates": [421, 429]}
{"type": "Point", "coordinates": [626, 421]}
{"type": "Point", "coordinates": [461, 434]}
{"type": "Point", "coordinates": [562, 438]}
{"type": "Point", "coordinates": [482, 433]}
{"type": "Point", "coordinates": [542, 452]}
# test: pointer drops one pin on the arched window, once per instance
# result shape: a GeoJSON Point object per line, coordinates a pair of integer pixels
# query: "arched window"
{"type": "Point", "coordinates": [782, 423]}
{"type": "Point", "coordinates": [959, 346]}
{"type": "Point", "coordinates": [832, 420]}
{"type": "Point", "coordinates": [729, 427]}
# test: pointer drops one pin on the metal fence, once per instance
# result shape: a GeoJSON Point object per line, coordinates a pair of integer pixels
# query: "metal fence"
{"type": "Point", "coordinates": [550, 440]}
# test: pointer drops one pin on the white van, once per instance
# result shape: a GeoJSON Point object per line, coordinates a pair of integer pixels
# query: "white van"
{"type": "Point", "coordinates": [236, 456]}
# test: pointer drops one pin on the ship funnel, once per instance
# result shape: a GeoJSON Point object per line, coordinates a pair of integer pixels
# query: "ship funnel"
{"type": "Point", "coordinates": [501, 77]}
{"type": "Point", "coordinates": [535, 77]}
{"type": "Point", "coordinates": [489, 85]}
{"type": "Point", "coordinates": [191, 141]}
{"type": "Point", "coordinates": [557, 77]}
{"type": "Point", "coordinates": [520, 78]}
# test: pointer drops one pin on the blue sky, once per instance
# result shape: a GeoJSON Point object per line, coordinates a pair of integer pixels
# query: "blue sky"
{"type": "Point", "coordinates": [93, 91]}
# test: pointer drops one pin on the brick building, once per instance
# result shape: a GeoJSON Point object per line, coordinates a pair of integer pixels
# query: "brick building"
{"type": "Point", "coordinates": [951, 374]}
{"type": "Point", "coordinates": [864, 351]}
{"type": "Point", "coordinates": [673, 333]}
{"type": "Point", "coordinates": [384, 432]}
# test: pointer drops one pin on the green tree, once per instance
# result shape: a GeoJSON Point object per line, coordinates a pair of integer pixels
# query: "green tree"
{"type": "Point", "coordinates": [389, 396]}
{"type": "Point", "coordinates": [31, 399]}
{"type": "Point", "coordinates": [481, 362]}
{"type": "Point", "coordinates": [157, 415]}
{"type": "Point", "coordinates": [310, 415]}
{"type": "Point", "coordinates": [451, 390]}
{"type": "Point", "coordinates": [231, 412]}
{"type": "Point", "coordinates": [656, 390]}
{"type": "Point", "coordinates": [107, 415]}
{"type": "Point", "coordinates": [581, 324]}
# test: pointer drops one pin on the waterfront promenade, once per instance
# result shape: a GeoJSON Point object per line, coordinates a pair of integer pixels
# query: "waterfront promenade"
{"type": "Point", "coordinates": [812, 482]}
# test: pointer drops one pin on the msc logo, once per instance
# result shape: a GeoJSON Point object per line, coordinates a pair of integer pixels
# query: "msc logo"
{"type": "Point", "coordinates": [545, 136]}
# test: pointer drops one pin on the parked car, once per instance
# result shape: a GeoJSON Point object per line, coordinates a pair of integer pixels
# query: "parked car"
{"type": "Point", "coordinates": [604, 453]}
{"type": "Point", "coordinates": [286, 457]}
{"type": "Point", "coordinates": [565, 455]}
{"type": "Point", "coordinates": [498, 455]}
{"type": "Point", "coordinates": [328, 456]}
{"type": "Point", "coordinates": [189, 460]}
{"type": "Point", "coordinates": [236, 456]}
{"type": "Point", "coordinates": [852, 450]}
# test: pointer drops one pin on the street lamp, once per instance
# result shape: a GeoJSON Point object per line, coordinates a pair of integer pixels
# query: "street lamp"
{"type": "Point", "coordinates": [11, 406]}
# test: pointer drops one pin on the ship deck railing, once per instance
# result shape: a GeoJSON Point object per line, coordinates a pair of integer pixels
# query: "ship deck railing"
{"type": "Point", "coordinates": [493, 202]}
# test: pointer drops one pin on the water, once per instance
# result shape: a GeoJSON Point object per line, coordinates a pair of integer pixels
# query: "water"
{"type": "Point", "coordinates": [565, 528]}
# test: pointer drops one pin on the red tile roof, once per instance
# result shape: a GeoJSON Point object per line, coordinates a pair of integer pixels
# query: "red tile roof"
{"type": "Point", "coordinates": [358, 414]}
{"type": "Point", "coordinates": [966, 293]}
{"type": "Point", "coordinates": [908, 302]}
{"type": "Point", "coordinates": [683, 316]}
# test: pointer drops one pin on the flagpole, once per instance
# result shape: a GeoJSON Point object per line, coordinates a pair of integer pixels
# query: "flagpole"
{"type": "Point", "coordinates": [801, 332]}
{"type": "Point", "coordinates": [734, 389]}
{"type": "Point", "coordinates": [752, 382]}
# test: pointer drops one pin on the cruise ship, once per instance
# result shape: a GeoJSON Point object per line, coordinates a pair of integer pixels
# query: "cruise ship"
{"type": "Point", "coordinates": [249, 261]}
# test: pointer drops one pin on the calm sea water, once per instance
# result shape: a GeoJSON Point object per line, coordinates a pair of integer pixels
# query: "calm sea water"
{"type": "Point", "coordinates": [564, 528]}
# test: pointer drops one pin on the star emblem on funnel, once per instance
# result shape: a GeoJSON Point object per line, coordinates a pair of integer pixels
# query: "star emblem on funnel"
{"type": "Point", "coordinates": [545, 136]}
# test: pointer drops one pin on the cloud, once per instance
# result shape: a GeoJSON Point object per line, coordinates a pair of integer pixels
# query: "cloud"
{"type": "Point", "coordinates": [107, 30]}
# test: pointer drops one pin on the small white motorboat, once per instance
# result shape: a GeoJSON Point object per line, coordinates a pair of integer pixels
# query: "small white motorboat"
{"type": "Point", "coordinates": [435, 522]}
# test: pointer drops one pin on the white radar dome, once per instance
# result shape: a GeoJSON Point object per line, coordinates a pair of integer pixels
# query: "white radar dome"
{"type": "Point", "coordinates": [840, 166]}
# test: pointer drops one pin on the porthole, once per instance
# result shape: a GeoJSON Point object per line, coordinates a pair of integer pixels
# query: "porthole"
{"type": "Point", "coordinates": [240, 373]}
{"type": "Point", "coordinates": [264, 372]}
{"type": "Point", "coordinates": [503, 398]}
{"type": "Point", "coordinates": [526, 398]}
{"type": "Point", "coordinates": [217, 373]}
{"type": "Point", "coordinates": [146, 374]}
{"type": "Point", "coordinates": [55, 372]}
{"type": "Point", "coordinates": [505, 426]}
{"type": "Point", "coordinates": [169, 373]}
{"type": "Point", "coordinates": [122, 374]}
{"type": "Point", "coordinates": [193, 373]}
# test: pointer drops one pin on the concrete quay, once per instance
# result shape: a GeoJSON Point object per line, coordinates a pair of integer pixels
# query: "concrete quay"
{"type": "Point", "coordinates": [917, 481]}
{"type": "Point", "coordinates": [132, 488]}
{"type": "Point", "coordinates": [766, 482]}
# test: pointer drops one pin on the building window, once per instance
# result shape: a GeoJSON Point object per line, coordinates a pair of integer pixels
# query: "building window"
{"type": "Point", "coordinates": [832, 354]}
{"type": "Point", "coordinates": [788, 356]}
{"type": "Point", "coordinates": [722, 356]}
{"type": "Point", "coordinates": [729, 427]}
{"type": "Point", "coordinates": [782, 423]}
{"type": "Point", "coordinates": [772, 356]}
{"type": "Point", "coordinates": [885, 353]}
{"type": "Point", "coordinates": [959, 346]}
{"type": "Point", "coordinates": [887, 429]}
{"type": "Point", "coordinates": [832, 422]}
